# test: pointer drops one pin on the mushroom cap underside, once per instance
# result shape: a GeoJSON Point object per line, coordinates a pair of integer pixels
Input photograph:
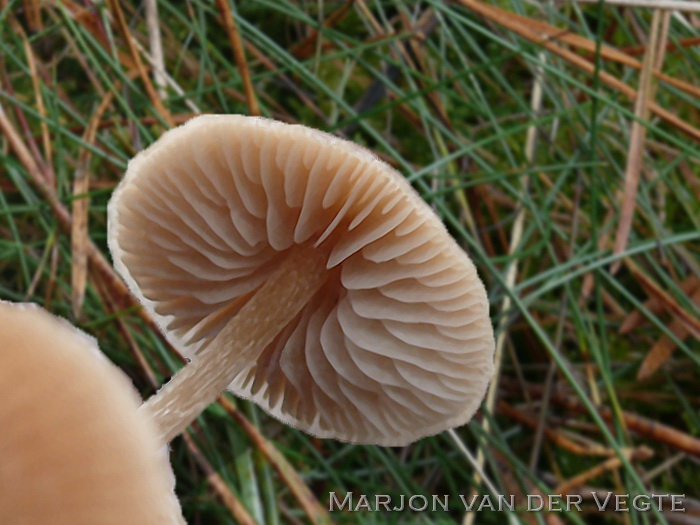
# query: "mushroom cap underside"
{"type": "Point", "coordinates": [395, 346]}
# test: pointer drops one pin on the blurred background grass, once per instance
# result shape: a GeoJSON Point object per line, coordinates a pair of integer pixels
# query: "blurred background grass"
{"type": "Point", "coordinates": [557, 140]}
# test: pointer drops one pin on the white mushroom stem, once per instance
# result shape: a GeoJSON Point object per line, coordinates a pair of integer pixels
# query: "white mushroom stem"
{"type": "Point", "coordinates": [273, 306]}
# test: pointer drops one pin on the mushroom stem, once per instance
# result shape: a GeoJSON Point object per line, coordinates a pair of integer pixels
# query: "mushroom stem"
{"type": "Point", "coordinates": [273, 306]}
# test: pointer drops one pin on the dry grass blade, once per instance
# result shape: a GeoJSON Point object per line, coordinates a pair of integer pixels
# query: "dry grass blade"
{"type": "Point", "coordinates": [169, 81]}
{"type": "Point", "coordinates": [371, 19]}
{"type": "Point", "coordinates": [178, 118]}
{"type": "Point", "coordinates": [234, 37]}
{"type": "Point", "coordinates": [511, 276]}
{"type": "Point", "coordinates": [79, 237]}
{"type": "Point", "coordinates": [479, 475]}
{"type": "Point", "coordinates": [316, 513]}
{"type": "Point", "coordinates": [635, 152]}
{"type": "Point", "coordinates": [25, 158]}
{"type": "Point", "coordinates": [532, 30]}
{"type": "Point", "coordinates": [155, 45]}
{"type": "Point", "coordinates": [7, 84]}
{"type": "Point", "coordinates": [81, 203]}
{"type": "Point", "coordinates": [118, 16]}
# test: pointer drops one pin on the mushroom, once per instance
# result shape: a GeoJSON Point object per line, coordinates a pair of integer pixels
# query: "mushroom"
{"type": "Point", "coordinates": [74, 448]}
{"type": "Point", "coordinates": [299, 271]}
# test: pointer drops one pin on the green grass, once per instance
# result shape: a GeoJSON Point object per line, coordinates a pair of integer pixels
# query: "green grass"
{"type": "Point", "coordinates": [450, 109]}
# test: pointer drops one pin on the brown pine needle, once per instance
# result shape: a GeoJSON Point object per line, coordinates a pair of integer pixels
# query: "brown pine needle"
{"type": "Point", "coordinates": [653, 289]}
{"type": "Point", "coordinates": [234, 37]}
{"type": "Point", "coordinates": [670, 46]}
{"type": "Point", "coordinates": [607, 52]}
{"type": "Point", "coordinates": [647, 427]}
{"type": "Point", "coordinates": [89, 21]}
{"type": "Point", "coordinates": [554, 436]}
{"type": "Point", "coordinates": [663, 349]}
{"type": "Point", "coordinates": [32, 12]}
{"type": "Point", "coordinates": [316, 513]}
{"type": "Point", "coordinates": [656, 306]}
{"type": "Point", "coordinates": [638, 454]}
{"type": "Point", "coordinates": [532, 30]}
{"type": "Point", "coordinates": [41, 108]}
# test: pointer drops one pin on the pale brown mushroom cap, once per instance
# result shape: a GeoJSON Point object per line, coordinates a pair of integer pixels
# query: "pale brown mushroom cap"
{"type": "Point", "coordinates": [397, 344]}
{"type": "Point", "coordinates": [73, 448]}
